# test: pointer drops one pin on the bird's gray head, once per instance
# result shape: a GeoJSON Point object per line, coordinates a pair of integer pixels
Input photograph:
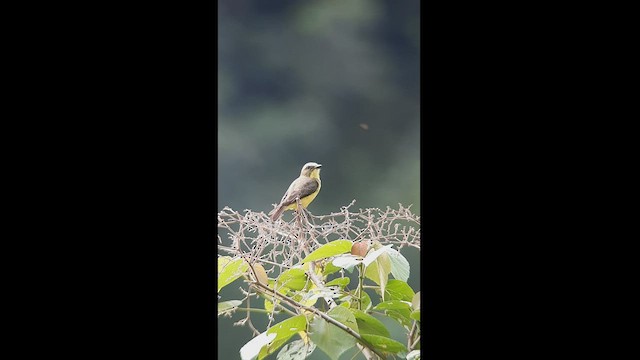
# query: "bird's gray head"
{"type": "Point", "coordinates": [310, 169]}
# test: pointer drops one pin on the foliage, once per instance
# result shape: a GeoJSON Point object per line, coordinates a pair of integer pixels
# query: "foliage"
{"type": "Point", "coordinates": [294, 264]}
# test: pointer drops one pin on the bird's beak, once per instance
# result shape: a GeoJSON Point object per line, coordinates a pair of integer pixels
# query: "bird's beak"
{"type": "Point", "coordinates": [319, 166]}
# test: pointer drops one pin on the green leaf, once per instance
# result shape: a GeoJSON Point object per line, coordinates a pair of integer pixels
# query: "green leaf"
{"type": "Point", "coordinates": [373, 255]}
{"type": "Point", "coordinates": [415, 315]}
{"type": "Point", "coordinates": [368, 324]}
{"type": "Point", "coordinates": [393, 305]}
{"type": "Point", "coordinates": [403, 316]}
{"type": "Point", "coordinates": [283, 330]}
{"type": "Point", "coordinates": [352, 299]}
{"type": "Point", "coordinates": [308, 298]}
{"type": "Point", "coordinates": [294, 279]}
{"type": "Point", "coordinates": [222, 261]}
{"type": "Point", "coordinates": [230, 271]}
{"type": "Point", "coordinates": [251, 349]}
{"type": "Point", "coordinates": [333, 248]}
{"type": "Point", "coordinates": [329, 338]}
{"type": "Point", "coordinates": [415, 302]}
{"type": "Point", "coordinates": [384, 343]}
{"type": "Point", "coordinates": [342, 282]}
{"type": "Point", "coordinates": [347, 262]}
{"type": "Point", "coordinates": [399, 265]}
{"type": "Point", "coordinates": [268, 305]}
{"type": "Point", "coordinates": [296, 350]}
{"type": "Point", "coordinates": [228, 305]}
{"type": "Point", "coordinates": [329, 269]}
{"type": "Point", "coordinates": [399, 290]}
{"type": "Point", "coordinates": [379, 271]}
{"type": "Point", "coordinates": [366, 301]}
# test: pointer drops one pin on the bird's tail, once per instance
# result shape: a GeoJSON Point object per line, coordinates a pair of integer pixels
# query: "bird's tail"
{"type": "Point", "coordinates": [277, 213]}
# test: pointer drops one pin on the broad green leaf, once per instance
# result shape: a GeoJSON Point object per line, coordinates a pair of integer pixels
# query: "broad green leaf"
{"type": "Point", "coordinates": [415, 315]}
{"type": "Point", "coordinates": [329, 338]}
{"type": "Point", "coordinates": [307, 298]}
{"type": "Point", "coordinates": [378, 271]}
{"type": "Point", "coordinates": [403, 316]}
{"type": "Point", "coordinates": [384, 343]}
{"type": "Point", "coordinates": [296, 350]}
{"type": "Point", "coordinates": [231, 271]}
{"type": "Point", "coordinates": [415, 302]}
{"type": "Point", "coordinates": [251, 349]}
{"type": "Point", "coordinates": [333, 248]}
{"type": "Point", "coordinates": [368, 324]}
{"type": "Point", "coordinates": [414, 355]}
{"type": "Point", "coordinates": [373, 255]}
{"type": "Point", "coordinates": [228, 305]}
{"type": "Point", "coordinates": [352, 299]}
{"type": "Point", "coordinates": [347, 262]}
{"type": "Point", "coordinates": [222, 261]}
{"type": "Point", "coordinates": [294, 278]}
{"type": "Point", "coordinates": [366, 301]}
{"type": "Point", "coordinates": [399, 265]}
{"type": "Point", "coordinates": [268, 305]}
{"type": "Point", "coordinates": [393, 305]}
{"type": "Point", "coordinates": [329, 269]}
{"type": "Point", "coordinates": [284, 330]}
{"type": "Point", "coordinates": [398, 290]}
{"type": "Point", "coordinates": [342, 282]}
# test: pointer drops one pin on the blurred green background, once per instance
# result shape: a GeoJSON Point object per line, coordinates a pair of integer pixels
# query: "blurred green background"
{"type": "Point", "coordinates": [335, 82]}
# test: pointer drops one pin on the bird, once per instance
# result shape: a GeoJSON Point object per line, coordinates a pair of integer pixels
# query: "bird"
{"type": "Point", "coordinates": [306, 187]}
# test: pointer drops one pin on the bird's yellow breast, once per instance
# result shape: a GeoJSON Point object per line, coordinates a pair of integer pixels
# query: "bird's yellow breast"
{"type": "Point", "coordinates": [305, 201]}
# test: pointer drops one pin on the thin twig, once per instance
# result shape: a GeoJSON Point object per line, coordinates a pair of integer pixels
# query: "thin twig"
{"type": "Point", "coordinates": [410, 336]}
{"type": "Point", "coordinates": [414, 343]}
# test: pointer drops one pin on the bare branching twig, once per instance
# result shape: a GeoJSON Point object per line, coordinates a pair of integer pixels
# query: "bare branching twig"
{"type": "Point", "coordinates": [283, 243]}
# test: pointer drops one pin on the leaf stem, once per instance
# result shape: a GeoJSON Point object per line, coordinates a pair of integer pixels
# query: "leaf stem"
{"type": "Point", "coordinates": [360, 284]}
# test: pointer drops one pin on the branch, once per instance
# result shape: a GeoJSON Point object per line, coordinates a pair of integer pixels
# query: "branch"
{"type": "Point", "coordinates": [322, 315]}
{"type": "Point", "coordinates": [410, 336]}
{"type": "Point", "coordinates": [414, 343]}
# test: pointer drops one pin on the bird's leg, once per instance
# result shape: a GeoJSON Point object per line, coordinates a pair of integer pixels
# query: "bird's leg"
{"type": "Point", "coordinates": [302, 211]}
{"type": "Point", "coordinates": [298, 212]}
{"type": "Point", "coordinates": [306, 214]}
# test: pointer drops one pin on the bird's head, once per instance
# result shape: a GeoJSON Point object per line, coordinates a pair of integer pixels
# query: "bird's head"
{"type": "Point", "coordinates": [311, 169]}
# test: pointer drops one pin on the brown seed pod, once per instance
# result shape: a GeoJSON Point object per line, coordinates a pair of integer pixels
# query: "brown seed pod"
{"type": "Point", "coordinates": [360, 248]}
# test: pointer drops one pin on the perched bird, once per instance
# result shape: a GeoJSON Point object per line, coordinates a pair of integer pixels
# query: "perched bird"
{"type": "Point", "coordinates": [306, 187]}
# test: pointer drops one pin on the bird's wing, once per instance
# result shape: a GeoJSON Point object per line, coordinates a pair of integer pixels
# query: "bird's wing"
{"type": "Point", "coordinates": [300, 187]}
{"type": "Point", "coordinates": [286, 193]}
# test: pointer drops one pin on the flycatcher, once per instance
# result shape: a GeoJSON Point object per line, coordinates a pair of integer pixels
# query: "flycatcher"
{"type": "Point", "coordinates": [306, 187]}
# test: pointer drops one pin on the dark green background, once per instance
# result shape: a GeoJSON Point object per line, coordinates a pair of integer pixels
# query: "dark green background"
{"type": "Point", "coordinates": [296, 81]}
